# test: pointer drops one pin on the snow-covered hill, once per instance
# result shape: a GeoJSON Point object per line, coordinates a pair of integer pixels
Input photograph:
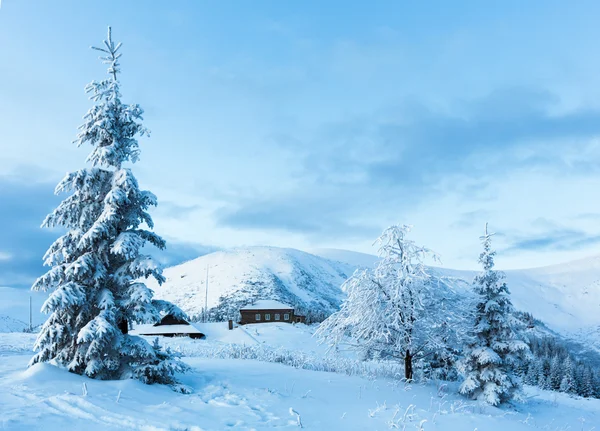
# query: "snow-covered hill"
{"type": "Point", "coordinates": [565, 297]}
{"type": "Point", "coordinates": [8, 324]}
{"type": "Point", "coordinates": [354, 258]}
{"type": "Point", "coordinates": [239, 276]}
{"type": "Point", "coordinates": [14, 307]}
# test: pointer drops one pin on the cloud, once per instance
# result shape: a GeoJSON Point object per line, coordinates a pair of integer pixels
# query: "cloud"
{"type": "Point", "coordinates": [388, 163]}
{"type": "Point", "coordinates": [559, 239]}
{"type": "Point", "coordinates": [470, 218]}
{"type": "Point", "coordinates": [479, 137]}
{"type": "Point", "coordinates": [5, 256]}
{"type": "Point", "coordinates": [179, 252]}
{"type": "Point", "coordinates": [315, 216]}
{"type": "Point", "coordinates": [588, 216]}
{"type": "Point", "coordinates": [174, 210]}
{"type": "Point", "coordinates": [24, 205]}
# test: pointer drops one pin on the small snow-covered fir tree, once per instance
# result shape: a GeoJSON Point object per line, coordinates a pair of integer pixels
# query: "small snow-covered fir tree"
{"type": "Point", "coordinates": [555, 373]}
{"type": "Point", "coordinates": [567, 383]}
{"type": "Point", "coordinates": [494, 349]}
{"type": "Point", "coordinates": [587, 384]}
{"type": "Point", "coordinates": [96, 265]}
{"type": "Point", "coordinates": [384, 313]}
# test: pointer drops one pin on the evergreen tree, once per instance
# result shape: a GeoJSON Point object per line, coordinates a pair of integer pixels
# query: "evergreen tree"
{"type": "Point", "coordinates": [555, 373]}
{"type": "Point", "coordinates": [531, 374]}
{"type": "Point", "coordinates": [96, 266]}
{"type": "Point", "coordinates": [567, 383]}
{"type": "Point", "coordinates": [494, 350]}
{"type": "Point", "coordinates": [587, 385]}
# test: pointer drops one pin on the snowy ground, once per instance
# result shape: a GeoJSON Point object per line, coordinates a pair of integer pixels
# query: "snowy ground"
{"type": "Point", "coordinates": [253, 395]}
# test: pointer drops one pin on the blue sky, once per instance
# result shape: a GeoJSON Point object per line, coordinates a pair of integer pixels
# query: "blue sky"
{"type": "Point", "coordinates": [317, 124]}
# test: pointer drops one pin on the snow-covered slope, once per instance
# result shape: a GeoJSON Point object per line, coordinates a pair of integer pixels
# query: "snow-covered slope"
{"type": "Point", "coordinates": [14, 307]}
{"type": "Point", "coordinates": [235, 394]}
{"type": "Point", "coordinates": [8, 324]}
{"type": "Point", "coordinates": [565, 297]}
{"type": "Point", "coordinates": [239, 276]}
{"type": "Point", "coordinates": [354, 258]}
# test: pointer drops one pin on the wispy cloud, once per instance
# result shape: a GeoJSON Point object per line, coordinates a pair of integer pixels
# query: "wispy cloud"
{"type": "Point", "coordinates": [471, 218]}
{"type": "Point", "coordinates": [393, 161]}
{"type": "Point", "coordinates": [24, 206]}
{"type": "Point", "coordinates": [5, 256]}
{"type": "Point", "coordinates": [25, 203]}
{"type": "Point", "coordinates": [560, 239]}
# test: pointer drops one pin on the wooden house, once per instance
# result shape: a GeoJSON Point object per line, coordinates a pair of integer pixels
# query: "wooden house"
{"type": "Point", "coordinates": [169, 326]}
{"type": "Point", "coordinates": [268, 310]}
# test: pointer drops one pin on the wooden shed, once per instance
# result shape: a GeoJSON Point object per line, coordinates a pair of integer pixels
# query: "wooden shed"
{"type": "Point", "coordinates": [267, 311]}
{"type": "Point", "coordinates": [169, 326]}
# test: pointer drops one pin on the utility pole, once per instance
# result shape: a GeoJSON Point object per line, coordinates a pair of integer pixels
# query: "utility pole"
{"type": "Point", "coordinates": [206, 297]}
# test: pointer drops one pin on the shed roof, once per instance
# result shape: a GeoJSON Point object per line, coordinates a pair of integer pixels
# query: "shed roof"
{"type": "Point", "coordinates": [165, 329]}
{"type": "Point", "coordinates": [267, 304]}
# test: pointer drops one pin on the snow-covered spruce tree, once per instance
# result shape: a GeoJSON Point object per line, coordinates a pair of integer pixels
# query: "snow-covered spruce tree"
{"type": "Point", "coordinates": [494, 349]}
{"type": "Point", "coordinates": [96, 265]}
{"type": "Point", "coordinates": [384, 314]}
{"type": "Point", "coordinates": [567, 384]}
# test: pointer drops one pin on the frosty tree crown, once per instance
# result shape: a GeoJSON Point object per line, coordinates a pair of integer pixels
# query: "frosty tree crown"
{"type": "Point", "coordinates": [110, 126]}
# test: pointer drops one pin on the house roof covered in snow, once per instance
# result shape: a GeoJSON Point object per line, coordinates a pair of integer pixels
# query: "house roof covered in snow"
{"type": "Point", "coordinates": [267, 304]}
{"type": "Point", "coordinates": [165, 329]}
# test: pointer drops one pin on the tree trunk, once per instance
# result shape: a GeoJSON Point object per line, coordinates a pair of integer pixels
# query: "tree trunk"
{"type": "Point", "coordinates": [408, 370]}
{"type": "Point", "coordinates": [124, 326]}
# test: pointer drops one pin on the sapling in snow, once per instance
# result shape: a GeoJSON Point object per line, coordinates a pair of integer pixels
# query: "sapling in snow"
{"type": "Point", "coordinates": [97, 264]}
{"type": "Point", "coordinates": [494, 349]}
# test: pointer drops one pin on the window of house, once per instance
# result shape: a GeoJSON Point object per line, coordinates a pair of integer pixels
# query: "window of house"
{"type": "Point", "coordinates": [286, 316]}
{"type": "Point", "coordinates": [257, 317]}
{"type": "Point", "coordinates": [277, 316]}
{"type": "Point", "coordinates": [267, 316]}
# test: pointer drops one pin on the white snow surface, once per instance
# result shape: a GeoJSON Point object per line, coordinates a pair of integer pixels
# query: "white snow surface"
{"type": "Point", "coordinates": [254, 395]}
{"type": "Point", "coordinates": [150, 329]}
{"type": "Point", "coordinates": [8, 324]}
{"type": "Point", "coordinates": [354, 258]}
{"type": "Point", "coordinates": [267, 304]}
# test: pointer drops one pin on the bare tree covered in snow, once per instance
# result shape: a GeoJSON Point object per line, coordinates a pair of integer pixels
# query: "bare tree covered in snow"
{"type": "Point", "coordinates": [96, 265]}
{"type": "Point", "coordinates": [494, 350]}
{"type": "Point", "coordinates": [386, 312]}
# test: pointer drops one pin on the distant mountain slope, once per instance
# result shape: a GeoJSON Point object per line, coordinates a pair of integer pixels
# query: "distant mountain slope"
{"type": "Point", "coordinates": [8, 324]}
{"type": "Point", "coordinates": [565, 297]}
{"type": "Point", "coordinates": [239, 276]}
{"type": "Point", "coordinates": [14, 304]}
{"type": "Point", "coordinates": [354, 258]}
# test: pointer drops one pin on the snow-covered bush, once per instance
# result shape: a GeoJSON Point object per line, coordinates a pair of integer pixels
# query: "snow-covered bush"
{"type": "Point", "coordinates": [96, 265]}
{"type": "Point", "coordinates": [293, 358]}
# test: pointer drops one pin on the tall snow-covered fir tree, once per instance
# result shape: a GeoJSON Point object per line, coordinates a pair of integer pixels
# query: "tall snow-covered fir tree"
{"type": "Point", "coordinates": [494, 349]}
{"type": "Point", "coordinates": [96, 265]}
{"type": "Point", "coordinates": [384, 313]}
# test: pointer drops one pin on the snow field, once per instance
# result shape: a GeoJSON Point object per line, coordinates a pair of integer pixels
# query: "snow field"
{"type": "Point", "coordinates": [242, 394]}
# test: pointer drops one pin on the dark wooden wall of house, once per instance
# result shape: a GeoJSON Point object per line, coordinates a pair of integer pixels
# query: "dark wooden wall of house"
{"type": "Point", "coordinates": [249, 316]}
